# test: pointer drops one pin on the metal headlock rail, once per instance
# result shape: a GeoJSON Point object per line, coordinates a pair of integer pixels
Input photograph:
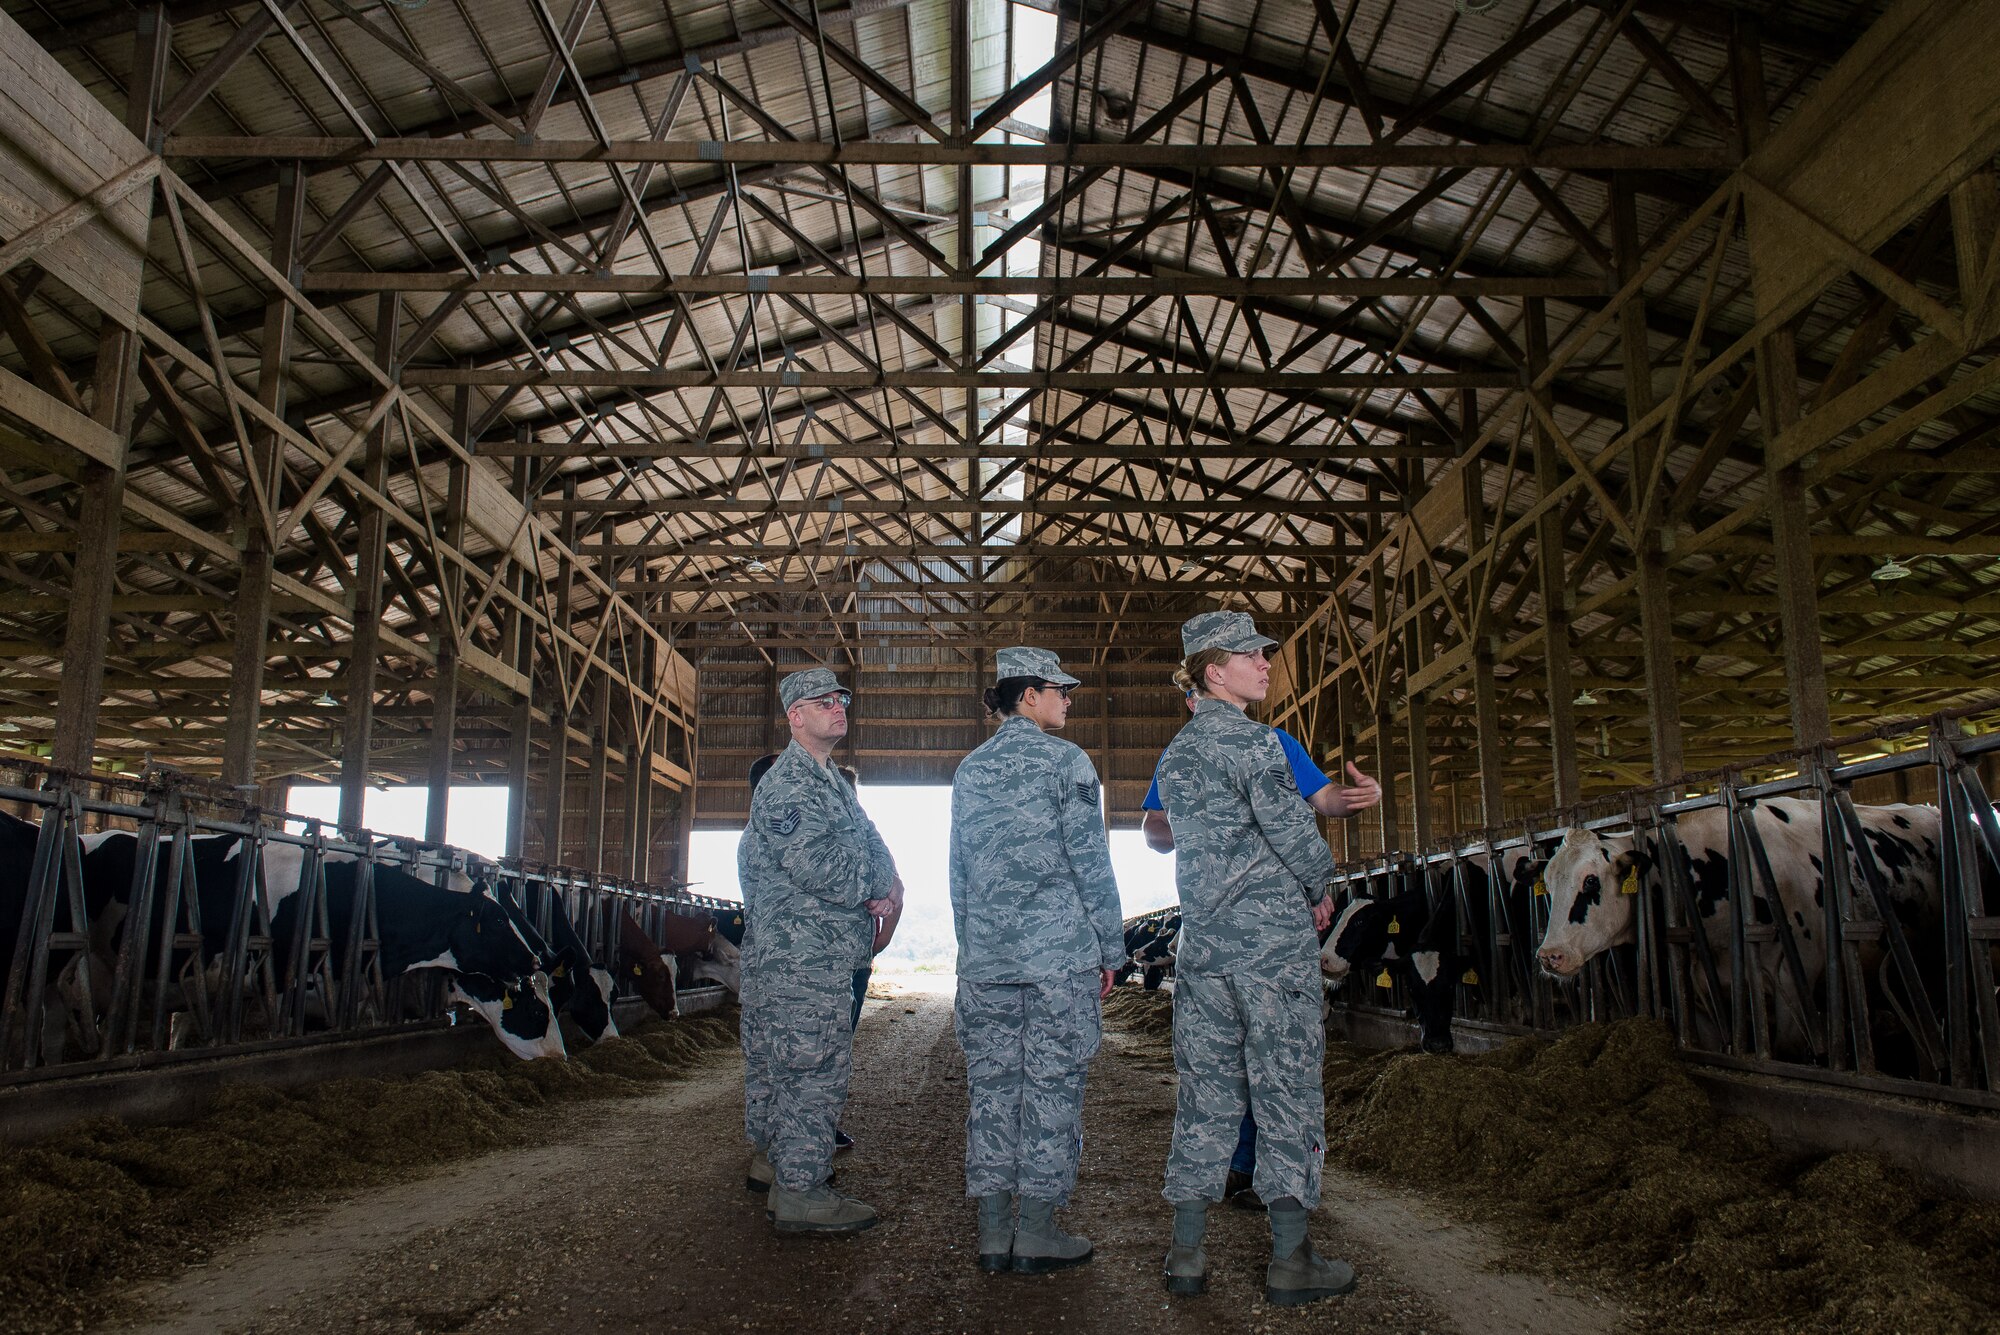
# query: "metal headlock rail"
{"type": "Point", "coordinates": [1723, 1007]}
{"type": "Point", "coordinates": [160, 957]}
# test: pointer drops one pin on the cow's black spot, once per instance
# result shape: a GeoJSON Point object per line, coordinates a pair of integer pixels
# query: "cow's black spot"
{"type": "Point", "coordinates": [1819, 890]}
{"type": "Point", "coordinates": [1586, 899]}
{"type": "Point", "coordinates": [1710, 877]}
{"type": "Point", "coordinates": [1896, 856]}
{"type": "Point", "coordinates": [1760, 909]}
{"type": "Point", "coordinates": [1902, 822]}
{"type": "Point", "coordinates": [1798, 917]}
{"type": "Point", "coordinates": [1817, 865]}
{"type": "Point", "coordinates": [1779, 812]}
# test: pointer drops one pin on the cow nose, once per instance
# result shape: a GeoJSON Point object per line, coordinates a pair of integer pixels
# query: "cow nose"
{"type": "Point", "coordinates": [1554, 960]}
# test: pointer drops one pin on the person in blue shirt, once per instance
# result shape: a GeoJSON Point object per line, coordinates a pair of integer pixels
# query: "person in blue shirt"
{"type": "Point", "coordinates": [1323, 795]}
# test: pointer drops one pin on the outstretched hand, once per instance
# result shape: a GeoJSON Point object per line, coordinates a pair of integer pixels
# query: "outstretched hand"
{"type": "Point", "coordinates": [1360, 795]}
{"type": "Point", "coordinates": [1110, 977]}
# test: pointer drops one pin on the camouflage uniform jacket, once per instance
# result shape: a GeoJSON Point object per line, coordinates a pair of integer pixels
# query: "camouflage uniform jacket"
{"type": "Point", "coordinates": [809, 860]}
{"type": "Point", "coordinates": [1032, 894]}
{"type": "Point", "coordinates": [1250, 859]}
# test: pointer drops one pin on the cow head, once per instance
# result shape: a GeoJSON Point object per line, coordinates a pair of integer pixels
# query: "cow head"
{"type": "Point", "coordinates": [518, 1009]}
{"type": "Point", "coordinates": [487, 939]}
{"type": "Point", "coordinates": [1588, 910]}
{"type": "Point", "coordinates": [1360, 933]}
{"type": "Point", "coordinates": [650, 973]}
{"type": "Point", "coordinates": [723, 963]}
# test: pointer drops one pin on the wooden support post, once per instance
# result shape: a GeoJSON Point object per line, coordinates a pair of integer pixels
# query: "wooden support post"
{"type": "Point", "coordinates": [639, 795]}
{"type": "Point", "coordinates": [684, 798]}
{"type": "Point", "coordinates": [253, 590]}
{"type": "Point", "coordinates": [1656, 621]}
{"type": "Point", "coordinates": [1554, 584]}
{"type": "Point", "coordinates": [1347, 694]}
{"type": "Point", "coordinates": [1379, 596]}
{"type": "Point", "coordinates": [370, 591]}
{"type": "Point", "coordinates": [1416, 653]}
{"type": "Point", "coordinates": [101, 498]}
{"type": "Point", "coordinates": [518, 651]}
{"type": "Point", "coordinates": [600, 771]}
{"type": "Point", "coordinates": [451, 611]}
{"type": "Point", "coordinates": [1778, 409]}
{"type": "Point", "coordinates": [638, 763]}
{"type": "Point", "coordinates": [556, 807]}
{"type": "Point", "coordinates": [1485, 691]}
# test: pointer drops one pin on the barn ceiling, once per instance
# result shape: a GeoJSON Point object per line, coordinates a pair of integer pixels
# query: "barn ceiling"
{"type": "Point", "coordinates": [886, 333]}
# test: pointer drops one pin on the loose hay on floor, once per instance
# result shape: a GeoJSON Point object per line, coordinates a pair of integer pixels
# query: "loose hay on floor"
{"type": "Point", "coordinates": [1603, 1162]}
{"type": "Point", "coordinates": [1606, 1162]}
{"type": "Point", "coordinates": [103, 1204]}
{"type": "Point", "coordinates": [1134, 1010]}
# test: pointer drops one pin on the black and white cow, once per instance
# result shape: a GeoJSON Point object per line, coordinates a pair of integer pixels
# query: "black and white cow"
{"type": "Point", "coordinates": [1593, 879]}
{"type": "Point", "coordinates": [69, 1023]}
{"type": "Point", "coordinates": [458, 928]}
{"type": "Point", "coordinates": [1150, 945]}
{"type": "Point", "coordinates": [577, 987]}
{"type": "Point", "coordinates": [1402, 933]}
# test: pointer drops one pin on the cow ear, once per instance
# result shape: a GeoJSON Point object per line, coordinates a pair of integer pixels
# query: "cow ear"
{"type": "Point", "coordinates": [1627, 861]}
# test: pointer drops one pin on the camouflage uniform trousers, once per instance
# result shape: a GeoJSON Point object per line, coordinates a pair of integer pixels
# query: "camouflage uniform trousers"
{"type": "Point", "coordinates": [798, 1052]}
{"type": "Point", "coordinates": [756, 1068]}
{"type": "Point", "coordinates": [1027, 1047]}
{"type": "Point", "coordinates": [1251, 1041]}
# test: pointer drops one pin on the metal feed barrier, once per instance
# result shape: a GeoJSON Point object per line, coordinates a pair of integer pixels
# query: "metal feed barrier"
{"type": "Point", "coordinates": [239, 1001]}
{"type": "Point", "coordinates": [1941, 1011]}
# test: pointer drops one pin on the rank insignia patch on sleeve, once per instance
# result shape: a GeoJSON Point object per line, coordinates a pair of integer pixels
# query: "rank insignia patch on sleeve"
{"type": "Point", "coordinates": [1086, 792]}
{"type": "Point", "coordinates": [786, 823]}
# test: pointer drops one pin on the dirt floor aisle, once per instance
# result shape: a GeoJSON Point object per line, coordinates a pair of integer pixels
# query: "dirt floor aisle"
{"type": "Point", "coordinates": [638, 1220]}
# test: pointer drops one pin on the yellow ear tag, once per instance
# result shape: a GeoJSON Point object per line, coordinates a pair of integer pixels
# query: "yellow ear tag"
{"type": "Point", "coordinates": [1382, 978]}
{"type": "Point", "coordinates": [506, 1001]}
{"type": "Point", "coordinates": [1541, 887]}
{"type": "Point", "coordinates": [561, 969]}
{"type": "Point", "coordinates": [1631, 885]}
{"type": "Point", "coordinates": [638, 971]}
{"type": "Point", "coordinates": [1470, 978]}
{"type": "Point", "coordinates": [1394, 927]}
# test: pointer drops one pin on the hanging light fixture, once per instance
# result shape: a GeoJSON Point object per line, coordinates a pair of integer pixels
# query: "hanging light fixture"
{"type": "Point", "coordinates": [755, 566]}
{"type": "Point", "coordinates": [326, 700]}
{"type": "Point", "coordinates": [1890, 569]}
{"type": "Point", "coordinates": [1187, 568]}
{"type": "Point", "coordinates": [1584, 697]}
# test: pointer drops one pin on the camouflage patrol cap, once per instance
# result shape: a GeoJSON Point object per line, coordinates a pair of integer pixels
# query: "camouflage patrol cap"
{"type": "Point", "coordinates": [1233, 631]}
{"type": "Point", "coordinates": [1023, 661]}
{"type": "Point", "coordinates": [808, 684]}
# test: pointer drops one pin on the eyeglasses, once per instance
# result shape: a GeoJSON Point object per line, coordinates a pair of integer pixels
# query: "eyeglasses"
{"type": "Point", "coordinates": [837, 700]}
{"type": "Point", "coordinates": [1063, 691]}
{"type": "Point", "coordinates": [1259, 653]}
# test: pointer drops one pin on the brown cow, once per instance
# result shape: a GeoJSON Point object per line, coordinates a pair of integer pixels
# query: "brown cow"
{"type": "Point", "coordinates": [653, 975]}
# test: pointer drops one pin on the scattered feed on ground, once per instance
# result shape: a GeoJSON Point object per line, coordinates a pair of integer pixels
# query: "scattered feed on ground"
{"type": "Point", "coordinates": [1604, 1162]}
{"type": "Point", "coordinates": [90, 1210]}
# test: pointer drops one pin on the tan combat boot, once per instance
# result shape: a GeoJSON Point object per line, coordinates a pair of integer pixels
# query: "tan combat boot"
{"type": "Point", "coordinates": [1040, 1245]}
{"type": "Point", "coordinates": [1306, 1277]}
{"type": "Point", "coordinates": [820, 1210]}
{"type": "Point", "coordinates": [759, 1175]}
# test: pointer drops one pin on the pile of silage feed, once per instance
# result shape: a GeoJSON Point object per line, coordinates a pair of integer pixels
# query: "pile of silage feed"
{"type": "Point", "coordinates": [1602, 1158]}
{"type": "Point", "coordinates": [102, 1202]}
{"type": "Point", "coordinates": [1134, 1010]}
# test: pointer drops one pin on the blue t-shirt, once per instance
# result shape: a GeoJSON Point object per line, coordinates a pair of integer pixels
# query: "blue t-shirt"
{"type": "Point", "coordinates": [1309, 777]}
